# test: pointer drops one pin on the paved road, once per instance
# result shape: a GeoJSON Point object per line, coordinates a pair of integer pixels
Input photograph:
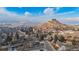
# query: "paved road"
{"type": "Point", "coordinates": [48, 46]}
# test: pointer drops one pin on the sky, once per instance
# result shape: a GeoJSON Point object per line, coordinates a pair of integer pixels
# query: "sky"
{"type": "Point", "coordinates": [67, 15]}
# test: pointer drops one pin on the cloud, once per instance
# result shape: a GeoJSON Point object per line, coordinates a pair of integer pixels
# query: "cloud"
{"type": "Point", "coordinates": [3, 11]}
{"type": "Point", "coordinates": [49, 11]}
{"type": "Point", "coordinates": [27, 13]}
{"type": "Point", "coordinates": [8, 17]}
{"type": "Point", "coordinates": [72, 19]}
{"type": "Point", "coordinates": [11, 17]}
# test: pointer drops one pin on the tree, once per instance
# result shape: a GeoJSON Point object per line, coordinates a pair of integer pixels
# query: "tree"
{"type": "Point", "coordinates": [8, 39]}
{"type": "Point", "coordinates": [74, 42]}
{"type": "Point", "coordinates": [41, 37]}
{"type": "Point", "coordinates": [30, 29]}
{"type": "Point", "coordinates": [62, 39]}
{"type": "Point", "coordinates": [17, 36]}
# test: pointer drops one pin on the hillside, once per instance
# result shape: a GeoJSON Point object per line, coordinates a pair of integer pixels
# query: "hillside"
{"type": "Point", "coordinates": [54, 24]}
